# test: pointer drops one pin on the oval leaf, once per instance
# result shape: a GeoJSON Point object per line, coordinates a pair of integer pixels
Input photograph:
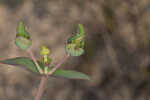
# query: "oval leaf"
{"type": "Point", "coordinates": [70, 74]}
{"type": "Point", "coordinates": [23, 62]}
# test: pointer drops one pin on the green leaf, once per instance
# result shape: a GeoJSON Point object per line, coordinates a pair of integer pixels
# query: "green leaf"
{"type": "Point", "coordinates": [21, 28]}
{"type": "Point", "coordinates": [70, 74]}
{"type": "Point", "coordinates": [28, 64]}
{"type": "Point", "coordinates": [81, 29]}
{"type": "Point", "coordinates": [21, 31]}
{"type": "Point", "coordinates": [23, 62]}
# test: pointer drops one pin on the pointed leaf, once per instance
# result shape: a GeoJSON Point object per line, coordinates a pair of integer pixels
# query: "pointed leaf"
{"type": "Point", "coordinates": [21, 31]}
{"type": "Point", "coordinates": [70, 74]}
{"type": "Point", "coordinates": [21, 28]}
{"type": "Point", "coordinates": [23, 62]}
{"type": "Point", "coordinates": [81, 29]}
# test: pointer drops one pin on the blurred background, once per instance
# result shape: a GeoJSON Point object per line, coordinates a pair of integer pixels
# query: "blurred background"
{"type": "Point", "coordinates": [117, 52]}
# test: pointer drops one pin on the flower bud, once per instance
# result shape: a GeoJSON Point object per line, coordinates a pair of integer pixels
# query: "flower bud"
{"type": "Point", "coordinates": [22, 37]}
{"type": "Point", "coordinates": [75, 44]}
{"type": "Point", "coordinates": [73, 50]}
{"type": "Point", "coordinates": [45, 52]}
{"type": "Point", "coordinates": [22, 43]}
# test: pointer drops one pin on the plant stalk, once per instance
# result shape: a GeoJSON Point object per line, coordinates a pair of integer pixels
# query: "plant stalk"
{"type": "Point", "coordinates": [43, 82]}
{"type": "Point", "coordinates": [44, 79]}
{"type": "Point", "coordinates": [35, 61]}
{"type": "Point", "coordinates": [58, 65]}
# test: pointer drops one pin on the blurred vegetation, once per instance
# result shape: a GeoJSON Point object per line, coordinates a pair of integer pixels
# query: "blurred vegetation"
{"type": "Point", "coordinates": [12, 4]}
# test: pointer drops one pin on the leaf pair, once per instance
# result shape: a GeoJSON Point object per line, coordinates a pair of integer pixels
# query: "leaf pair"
{"type": "Point", "coordinates": [29, 65]}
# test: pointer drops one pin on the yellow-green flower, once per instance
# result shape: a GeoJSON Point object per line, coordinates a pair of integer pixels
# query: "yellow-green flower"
{"type": "Point", "coordinates": [45, 52]}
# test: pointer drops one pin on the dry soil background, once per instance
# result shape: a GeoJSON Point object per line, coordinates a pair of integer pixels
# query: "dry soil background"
{"type": "Point", "coordinates": [117, 48]}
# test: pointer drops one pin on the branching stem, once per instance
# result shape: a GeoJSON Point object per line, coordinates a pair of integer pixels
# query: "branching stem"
{"type": "Point", "coordinates": [35, 61]}
{"type": "Point", "coordinates": [58, 65]}
{"type": "Point", "coordinates": [44, 79]}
